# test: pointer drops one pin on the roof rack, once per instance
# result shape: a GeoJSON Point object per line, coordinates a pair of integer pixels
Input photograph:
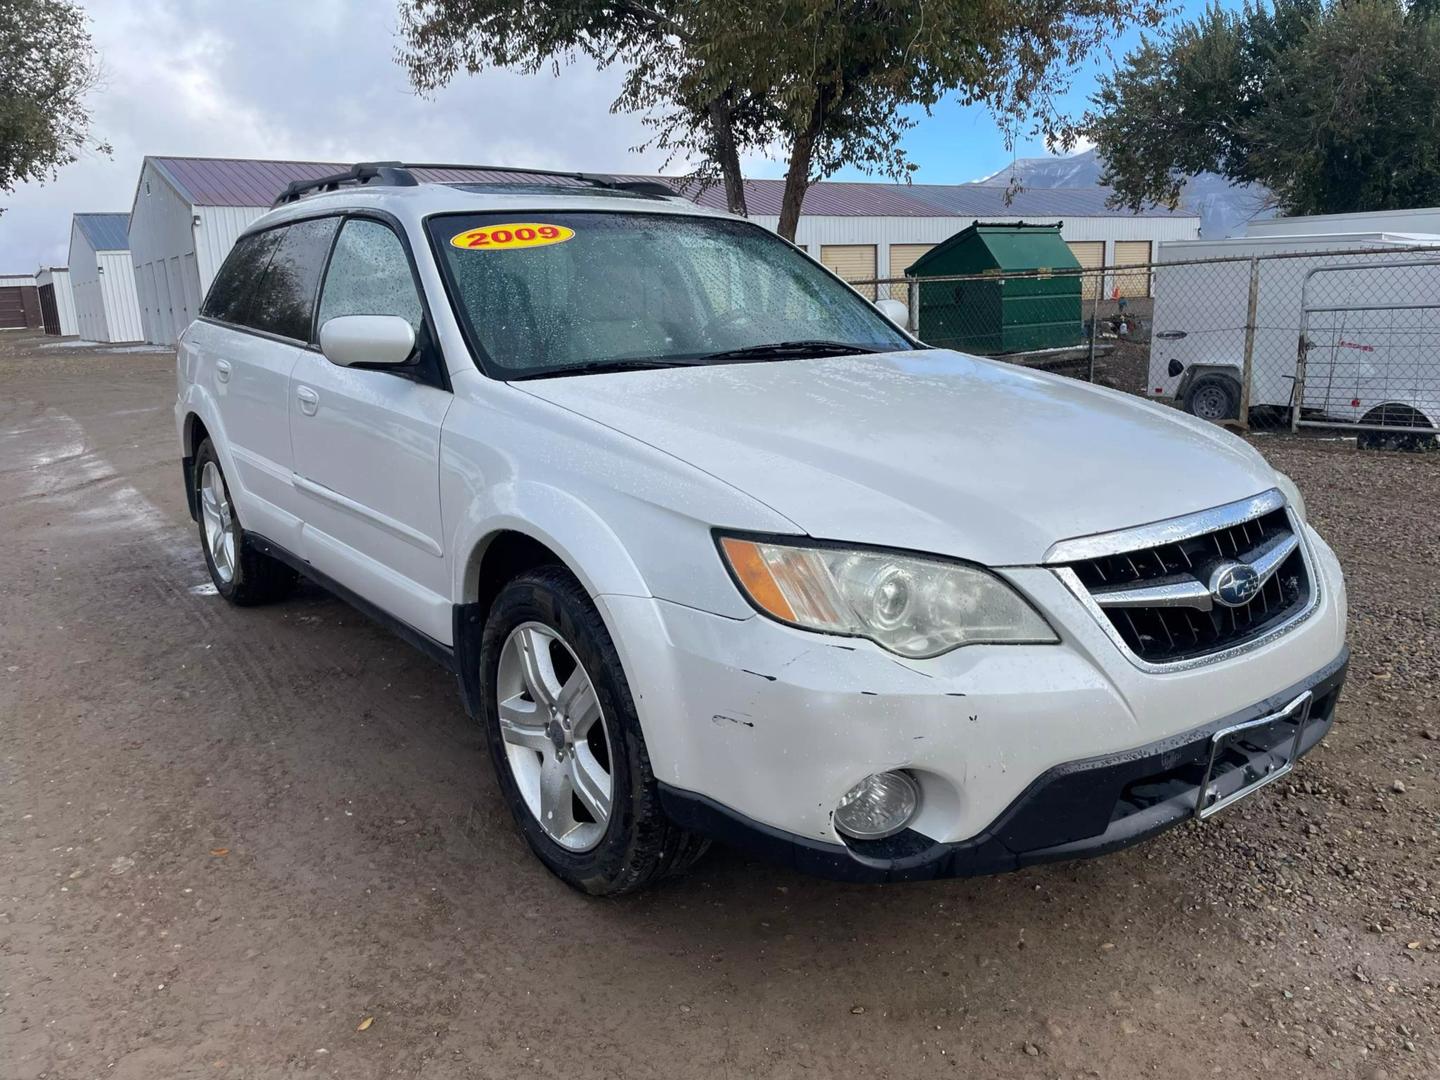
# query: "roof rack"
{"type": "Point", "coordinates": [387, 173]}
{"type": "Point", "coordinates": [402, 174]}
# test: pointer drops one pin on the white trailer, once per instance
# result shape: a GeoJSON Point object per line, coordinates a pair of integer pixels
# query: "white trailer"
{"type": "Point", "coordinates": [1369, 310]}
{"type": "Point", "coordinates": [1424, 219]}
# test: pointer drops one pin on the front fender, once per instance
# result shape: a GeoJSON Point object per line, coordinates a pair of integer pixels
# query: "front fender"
{"type": "Point", "coordinates": [569, 527]}
{"type": "Point", "coordinates": [627, 519]}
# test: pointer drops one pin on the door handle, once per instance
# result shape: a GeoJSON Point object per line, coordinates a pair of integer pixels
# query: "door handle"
{"type": "Point", "coordinates": [309, 400]}
{"type": "Point", "coordinates": [222, 370]}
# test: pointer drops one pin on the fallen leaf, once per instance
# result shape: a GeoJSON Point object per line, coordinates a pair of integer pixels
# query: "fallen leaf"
{"type": "Point", "coordinates": [1413, 945]}
{"type": "Point", "coordinates": [219, 852]}
{"type": "Point", "coordinates": [365, 1024]}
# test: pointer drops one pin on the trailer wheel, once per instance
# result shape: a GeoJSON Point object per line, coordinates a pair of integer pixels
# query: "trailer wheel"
{"type": "Point", "coordinates": [1393, 414]}
{"type": "Point", "coordinates": [1213, 397]}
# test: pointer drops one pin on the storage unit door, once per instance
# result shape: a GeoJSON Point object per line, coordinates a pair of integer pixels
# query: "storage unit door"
{"type": "Point", "coordinates": [902, 257]}
{"type": "Point", "coordinates": [1131, 253]}
{"type": "Point", "coordinates": [49, 312]}
{"type": "Point", "coordinates": [1089, 254]}
{"type": "Point", "coordinates": [853, 262]}
{"type": "Point", "coordinates": [12, 308]}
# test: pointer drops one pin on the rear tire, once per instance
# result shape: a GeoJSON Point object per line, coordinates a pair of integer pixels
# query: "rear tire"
{"type": "Point", "coordinates": [241, 574]}
{"type": "Point", "coordinates": [1398, 415]}
{"type": "Point", "coordinates": [566, 742]}
{"type": "Point", "coordinates": [1213, 397]}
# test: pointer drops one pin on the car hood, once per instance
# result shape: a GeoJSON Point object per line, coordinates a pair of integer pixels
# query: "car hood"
{"type": "Point", "coordinates": [928, 450]}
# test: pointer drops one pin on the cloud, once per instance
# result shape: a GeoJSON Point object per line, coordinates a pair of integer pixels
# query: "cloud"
{"type": "Point", "coordinates": [309, 79]}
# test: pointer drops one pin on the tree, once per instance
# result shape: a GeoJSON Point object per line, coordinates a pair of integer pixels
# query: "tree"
{"type": "Point", "coordinates": [828, 82]}
{"type": "Point", "coordinates": [47, 67]}
{"type": "Point", "coordinates": [1334, 105]}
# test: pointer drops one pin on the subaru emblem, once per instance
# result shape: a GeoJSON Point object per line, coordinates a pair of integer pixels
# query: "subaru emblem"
{"type": "Point", "coordinates": [1234, 584]}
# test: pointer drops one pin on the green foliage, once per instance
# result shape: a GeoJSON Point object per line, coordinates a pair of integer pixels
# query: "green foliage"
{"type": "Point", "coordinates": [1334, 105]}
{"type": "Point", "coordinates": [47, 66]}
{"type": "Point", "coordinates": [825, 81]}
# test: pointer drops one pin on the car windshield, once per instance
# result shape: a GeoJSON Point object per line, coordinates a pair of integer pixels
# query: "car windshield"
{"type": "Point", "coordinates": [555, 293]}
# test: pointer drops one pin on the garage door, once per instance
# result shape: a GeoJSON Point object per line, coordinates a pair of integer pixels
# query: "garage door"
{"type": "Point", "coordinates": [1132, 253]}
{"type": "Point", "coordinates": [1088, 253]}
{"type": "Point", "coordinates": [49, 312]}
{"type": "Point", "coordinates": [853, 262]}
{"type": "Point", "coordinates": [902, 256]}
{"type": "Point", "coordinates": [12, 307]}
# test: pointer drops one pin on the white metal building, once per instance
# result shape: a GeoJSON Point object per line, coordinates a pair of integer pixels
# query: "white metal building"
{"type": "Point", "coordinates": [57, 301]}
{"type": "Point", "coordinates": [188, 212]}
{"type": "Point", "coordinates": [101, 278]}
{"type": "Point", "coordinates": [878, 230]}
{"type": "Point", "coordinates": [1419, 220]}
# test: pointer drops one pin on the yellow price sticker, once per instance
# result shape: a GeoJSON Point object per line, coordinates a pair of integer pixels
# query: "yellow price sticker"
{"type": "Point", "coordinates": [519, 234]}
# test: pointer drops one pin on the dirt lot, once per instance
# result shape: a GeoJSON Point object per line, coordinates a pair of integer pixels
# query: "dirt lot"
{"type": "Point", "coordinates": [267, 843]}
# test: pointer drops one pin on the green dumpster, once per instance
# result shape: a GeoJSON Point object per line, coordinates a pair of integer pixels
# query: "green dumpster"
{"type": "Point", "coordinates": [997, 313]}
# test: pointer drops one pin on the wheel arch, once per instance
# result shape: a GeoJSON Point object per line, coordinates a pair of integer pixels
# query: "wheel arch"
{"type": "Point", "coordinates": [195, 432]}
{"type": "Point", "coordinates": [1196, 371]}
{"type": "Point", "coordinates": [1377, 414]}
{"type": "Point", "coordinates": [540, 526]}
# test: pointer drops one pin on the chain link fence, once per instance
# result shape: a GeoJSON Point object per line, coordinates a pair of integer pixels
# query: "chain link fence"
{"type": "Point", "coordinates": [1345, 338]}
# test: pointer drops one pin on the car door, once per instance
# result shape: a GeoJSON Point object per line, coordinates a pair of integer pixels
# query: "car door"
{"type": "Point", "coordinates": [367, 442]}
{"type": "Point", "coordinates": [246, 370]}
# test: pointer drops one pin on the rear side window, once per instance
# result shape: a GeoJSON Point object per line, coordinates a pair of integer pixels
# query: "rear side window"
{"type": "Point", "coordinates": [370, 275]}
{"type": "Point", "coordinates": [284, 300]}
{"type": "Point", "coordinates": [231, 292]}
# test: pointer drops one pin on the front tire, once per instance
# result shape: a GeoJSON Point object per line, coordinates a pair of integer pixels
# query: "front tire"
{"type": "Point", "coordinates": [242, 575]}
{"type": "Point", "coordinates": [566, 742]}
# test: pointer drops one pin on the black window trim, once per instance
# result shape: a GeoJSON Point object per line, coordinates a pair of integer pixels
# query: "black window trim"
{"type": "Point", "coordinates": [430, 369]}
{"type": "Point", "coordinates": [478, 354]}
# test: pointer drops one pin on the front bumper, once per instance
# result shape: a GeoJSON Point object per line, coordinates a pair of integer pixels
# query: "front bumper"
{"type": "Point", "coordinates": [1074, 810]}
{"type": "Point", "coordinates": [776, 724]}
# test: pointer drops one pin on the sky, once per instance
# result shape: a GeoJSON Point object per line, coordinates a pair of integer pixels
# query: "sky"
{"type": "Point", "coordinates": [317, 80]}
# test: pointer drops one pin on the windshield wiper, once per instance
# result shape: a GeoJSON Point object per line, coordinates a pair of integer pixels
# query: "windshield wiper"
{"type": "Point", "coordinates": [781, 350]}
{"type": "Point", "coordinates": [775, 350]}
{"type": "Point", "coordinates": [596, 367]}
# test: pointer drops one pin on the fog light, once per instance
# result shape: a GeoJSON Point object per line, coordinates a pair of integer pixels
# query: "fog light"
{"type": "Point", "coordinates": [880, 805]}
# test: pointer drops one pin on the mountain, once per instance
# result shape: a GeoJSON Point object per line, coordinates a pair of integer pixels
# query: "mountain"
{"type": "Point", "coordinates": [1224, 208]}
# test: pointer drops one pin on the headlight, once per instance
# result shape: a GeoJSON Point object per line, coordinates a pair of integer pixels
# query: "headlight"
{"type": "Point", "coordinates": [1292, 494]}
{"type": "Point", "coordinates": [913, 606]}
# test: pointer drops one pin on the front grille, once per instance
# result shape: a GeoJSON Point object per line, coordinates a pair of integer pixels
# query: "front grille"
{"type": "Point", "coordinates": [1183, 621]}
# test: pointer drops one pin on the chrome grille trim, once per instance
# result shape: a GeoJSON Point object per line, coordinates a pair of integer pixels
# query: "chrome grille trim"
{"type": "Point", "coordinates": [1167, 531]}
{"type": "Point", "coordinates": [1177, 593]}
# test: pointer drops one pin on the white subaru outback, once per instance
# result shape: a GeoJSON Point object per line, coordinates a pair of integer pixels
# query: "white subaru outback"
{"type": "Point", "coordinates": [716, 550]}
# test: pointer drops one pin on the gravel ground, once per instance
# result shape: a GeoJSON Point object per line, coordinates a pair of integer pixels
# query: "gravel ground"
{"type": "Point", "coordinates": [266, 843]}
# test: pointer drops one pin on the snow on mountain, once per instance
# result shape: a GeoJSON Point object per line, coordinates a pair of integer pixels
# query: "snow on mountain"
{"type": "Point", "coordinates": [1224, 208]}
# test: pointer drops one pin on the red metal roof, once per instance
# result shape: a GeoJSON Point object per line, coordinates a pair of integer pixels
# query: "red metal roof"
{"type": "Point", "coordinates": [239, 182]}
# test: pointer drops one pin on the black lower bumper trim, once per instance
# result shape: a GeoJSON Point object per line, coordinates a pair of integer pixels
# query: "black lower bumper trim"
{"type": "Point", "coordinates": [1075, 810]}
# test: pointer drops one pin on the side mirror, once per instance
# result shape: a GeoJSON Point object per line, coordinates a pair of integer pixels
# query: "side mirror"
{"type": "Point", "coordinates": [894, 310]}
{"type": "Point", "coordinates": [367, 340]}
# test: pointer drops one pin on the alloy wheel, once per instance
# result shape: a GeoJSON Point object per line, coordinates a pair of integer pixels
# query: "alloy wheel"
{"type": "Point", "coordinates": [556, 740]}
{"type": "Point", "coordinates": [218, 520]}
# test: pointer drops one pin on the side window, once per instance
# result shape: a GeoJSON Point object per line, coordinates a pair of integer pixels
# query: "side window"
{"type": "Point", "coordinates": [230, 293]}
{"type": "Point", "coordinates": [284, 300]}
{"type": "Point", "coordinates": [370, 275]}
